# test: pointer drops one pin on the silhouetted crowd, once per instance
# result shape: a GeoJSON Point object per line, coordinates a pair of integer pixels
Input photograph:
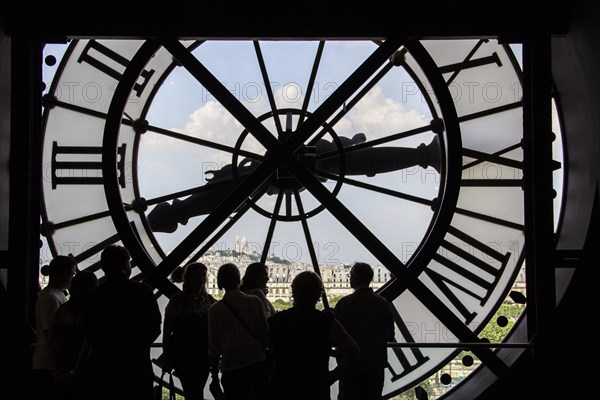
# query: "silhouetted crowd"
{"type": "Point", "coordinates": [95, 344]}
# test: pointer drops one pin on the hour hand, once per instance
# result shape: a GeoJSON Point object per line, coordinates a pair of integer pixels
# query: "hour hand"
{"type": "Point", "coordinates": [166, 217]}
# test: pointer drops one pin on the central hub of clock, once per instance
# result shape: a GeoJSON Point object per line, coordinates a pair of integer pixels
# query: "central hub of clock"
{"type": "Point", "coordinates": [285, 181]}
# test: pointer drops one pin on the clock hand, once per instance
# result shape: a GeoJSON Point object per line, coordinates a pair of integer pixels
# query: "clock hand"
{"type": "Point", "coordinates": [374, 160]}
{"type": "Point", "coordinates": [369, 161]}
{"type": "Point", "coordinates": [165, 217]}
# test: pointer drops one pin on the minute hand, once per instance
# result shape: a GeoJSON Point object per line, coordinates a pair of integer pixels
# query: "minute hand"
{"type": "Point", "coordinates": [375, 160]}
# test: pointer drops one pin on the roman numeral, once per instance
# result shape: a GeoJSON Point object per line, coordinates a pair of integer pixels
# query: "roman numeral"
{"type": "Point", "coordinates": [82, 165]}
{"type": "Point", "coordinates": [492, 169]}
{"type": "Point", "coordinates": [466, 277]}
{"type": "Point", "coordinates": [94, 53]}
{"type": "Point", "coordinates": [409, 358]}
{"type": "Point", "coordinates": [495, 158]}
{"type": "Point", "coordinates": [470, 62]}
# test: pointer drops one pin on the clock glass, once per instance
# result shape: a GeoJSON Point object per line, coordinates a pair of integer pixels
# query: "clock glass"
{"type": "Point", "coordinates": [304, 154]}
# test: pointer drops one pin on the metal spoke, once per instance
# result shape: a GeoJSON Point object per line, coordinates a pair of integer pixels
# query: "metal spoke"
{"type": "Point", "coordinates": [311, 80]}
{"type": "Point", "coordinates": [205, 143]}
{"type": "Point", "coordinates": [269, 238]}
{"type": "Point", "coordinates": [309, 244]}
{"type": "Point", "coordinates": [266, 80]}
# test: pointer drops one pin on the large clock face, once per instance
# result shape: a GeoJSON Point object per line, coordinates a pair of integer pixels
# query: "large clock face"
{"type": "Point", "coordinates": [404, 154]}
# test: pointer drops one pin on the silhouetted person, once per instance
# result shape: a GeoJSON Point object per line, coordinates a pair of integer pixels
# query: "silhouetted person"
{"type": "Point", "coordinates": [185, 332]}
{"type": "Point", "coordinates": [60, 272]}
{"type": "Point", "coordinates": [68, 335]}
{"type": "Point", "coordinates": [301, 341]}
{"type": "Point", "coordinates": [255, 281]}
{"type": "Point", "coordinates": [122, 320]}
{"type": "Point", "coordinates": [369, 319]}
{"type": "Point", "coordinates": [237, 335]}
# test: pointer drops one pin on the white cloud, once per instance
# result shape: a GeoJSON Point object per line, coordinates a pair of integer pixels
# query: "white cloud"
{"type": "Point", "coordinates": [377, 116]}
{"type": "Point", "coordinates": [213, 122]}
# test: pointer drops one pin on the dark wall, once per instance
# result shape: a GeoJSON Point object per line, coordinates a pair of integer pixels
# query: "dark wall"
{"type": "Point", "coordinates": [572, 363]}
{"type": "Point", "coordinates": [4, 179]}
{"type": "Point", "coordinates": [576, 74]}
{"type": "Point", "coordinates": [576, 71]}
{"type": "Point", "coordinates": [4, 137]}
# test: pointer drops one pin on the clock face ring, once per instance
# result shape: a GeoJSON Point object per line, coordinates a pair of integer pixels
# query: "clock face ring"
{"type": "Point", "coordinates": [437, 214]}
